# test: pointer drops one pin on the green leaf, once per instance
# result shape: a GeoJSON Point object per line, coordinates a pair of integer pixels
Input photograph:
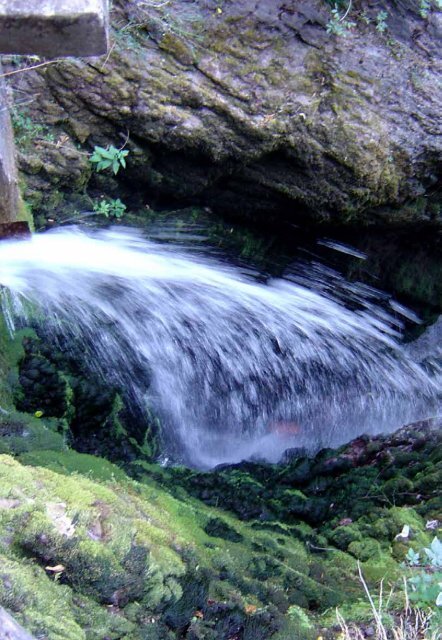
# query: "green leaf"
{"type": "Point", "coordinates": [108, 154]}
{"type": "Point", "coordinates": [104, 164]}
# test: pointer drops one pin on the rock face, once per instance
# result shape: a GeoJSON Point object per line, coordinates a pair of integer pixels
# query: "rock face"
{"type": "Point", "coordinates": [253, 106]}
{"type": "Point", "coordinates": [8, 171]}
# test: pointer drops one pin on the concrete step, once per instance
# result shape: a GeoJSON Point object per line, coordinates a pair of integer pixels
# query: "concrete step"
{"type": "Point", "coordinates": [54, 28]}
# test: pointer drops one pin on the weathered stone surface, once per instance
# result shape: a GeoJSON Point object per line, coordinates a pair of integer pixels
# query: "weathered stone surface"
{"type": "Point", "coordinates": [14, 230]}
{"type": "Point", "coordinates": [8, 171]}
{"type": "Point", "coordinates": [255, 108]}
{"type": "Point", "coordinates": [10, 630]}
{"type": "Point", "coordinates": [53, 28]}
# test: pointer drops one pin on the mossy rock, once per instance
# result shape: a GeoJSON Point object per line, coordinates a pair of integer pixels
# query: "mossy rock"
{"type": "Point", "coordinates": [218, 528]}
{"type": "Point", "coordinates": [49, 609]}
{"type": "Point", "coordinates": [71, 462]}
{"type": "Point", "coordinates": [366, 549]}
{"type": "Point", "coordinates": [154, 550]}
{"type": "Point", "coordinates": [344, 535]}
{"type": "Point", "coordinates": [11, 352]}
{"type": "Point", "coordinates": [21, 433]}
{"type": "Point", "coordinates": [112, 542]}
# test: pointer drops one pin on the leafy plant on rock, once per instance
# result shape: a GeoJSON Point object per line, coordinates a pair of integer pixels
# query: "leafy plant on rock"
{"type": "Point", "coordinates": [434, 553]}
{"type": "Point", "coordinates": [338, 24]}
{"type": "Point", "coordinates": [381, 21]}
{"type": "Point", "coordinates": [426, 586]}
{"type": "Point", "coordinates": [109, 158]}
{"type": "Point", "coordinates": [425, 7]}
{"type": "Point", "coordinates": [25, 129]}
{"type": "Point", "coordinates": [412, 558]}
{"type": "Point", "coordinates": [110, 208]}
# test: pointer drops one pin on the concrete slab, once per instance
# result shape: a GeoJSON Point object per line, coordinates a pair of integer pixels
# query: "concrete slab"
{"type": "Point", "coordinates": [9, 195]}
{"type": "Point", "coordinates": [10, 629]}
{"type": "Point", "coordinates": [54, 28]}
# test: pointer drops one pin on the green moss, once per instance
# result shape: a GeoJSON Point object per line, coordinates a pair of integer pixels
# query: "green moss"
{"type": "Point", "coordinates": [357, 612]}
{"type": "Point", "coordinates": [364, 549]}
{"type": "Point", "coordinates": [155, 552]}
{"type": "Point", "coordinates": [218, 528]}
{"type": "Point", "coordinates": [124, 542]}
{"type": "Point", "coordinates": [11, 352]}
{"type": "Point", "coordinates": [381, 566]}
{"type": "Point", "coordinates": [299, 624]}
{"type": "Point", "coordinates": [20, 433]}
{"type": "Point", "coordinates": [344, 535]}
{"type": "Point", "coordinates": [176, 46]}
{"type": "Point", "coordinates": [72, 462]}
{"type": "Point", "coordinates": [47, 608]}
{"type": "Point", "coordinates": [24, 213]}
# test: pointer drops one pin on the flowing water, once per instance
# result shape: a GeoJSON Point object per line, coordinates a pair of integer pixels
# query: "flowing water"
{"type": "Point", "coordinates": [235, 366]}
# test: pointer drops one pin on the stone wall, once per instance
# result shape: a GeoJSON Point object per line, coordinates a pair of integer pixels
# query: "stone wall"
{"type": "Point", "coordinates": [9, 197]}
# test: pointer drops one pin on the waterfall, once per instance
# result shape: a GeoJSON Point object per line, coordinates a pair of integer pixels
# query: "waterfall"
{"type": "Point", "coordinates": [234, 366]}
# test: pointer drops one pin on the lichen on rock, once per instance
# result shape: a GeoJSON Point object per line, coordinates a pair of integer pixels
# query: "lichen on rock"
{"type": "Point", "coordinates": [254, 107]}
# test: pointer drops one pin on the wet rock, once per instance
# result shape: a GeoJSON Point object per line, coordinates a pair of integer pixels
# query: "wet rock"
{"type": "Point", "coordinates": [255, 109]}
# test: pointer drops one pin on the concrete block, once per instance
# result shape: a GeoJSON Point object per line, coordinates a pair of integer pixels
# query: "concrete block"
{"type": "Point", "coordinates": [54, 28]}
{"type": "Point", "coordinates": [9, 194]}
{"type": "Point", "coordinates": [10, 629]}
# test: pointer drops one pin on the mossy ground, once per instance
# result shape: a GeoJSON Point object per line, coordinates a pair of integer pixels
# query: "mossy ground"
{"type": "Point", "coordinates": [146, 559]}
{"type": "Point", "coordinates": [91, 550]}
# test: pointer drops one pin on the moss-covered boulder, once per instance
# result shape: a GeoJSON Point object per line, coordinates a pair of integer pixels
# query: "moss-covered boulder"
{"type": "Point", "coordinates": [103, 544]}
{"type": "Point", "coordinates": [90, 550]}
{"type": "Point", "coordinates": [147, 559]}
{"type": "Point", "coordinates": [256, 107]}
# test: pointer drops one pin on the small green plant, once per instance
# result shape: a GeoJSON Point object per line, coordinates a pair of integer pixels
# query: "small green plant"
{"type": "Point", "coordinates": [109, 158]}
{"type": "Point", "coordinates": [434, 553]}
{"type": "Point", "coordinates": [365, 17]}
{"type": "Point", "coordinates": [381, 21]}
{"type": "Point", "coordinates": [25, 129]}
{"type": "Point", "coordinates": [426, 586]}
{"type": "Point", "coordinates": [425, 7]}
{"type": "Point", "coordinates": [338, 25]}
{"type": "Point", "coordinates": [412, 559]}
{"type": "Point", "coordinates": [110, 208]}
{"type": "Point", "coordinates": [426, 589]}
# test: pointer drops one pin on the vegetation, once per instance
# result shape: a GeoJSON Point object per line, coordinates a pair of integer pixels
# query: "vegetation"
{"type": "Point", "coordinates": [110, 207]}
{"type": "Point", "coordinates": [339, 24]}
{"type": "Point", "coordinates": [425, 7]}
{"type": "Point", "coordinates": [109, 158]}
{"type": "Point", "coordinates": [381, 21]}
{"type": "Point", "coordinates": [256, 550]}
{"type": "Point", "coordinates": [26, 130]}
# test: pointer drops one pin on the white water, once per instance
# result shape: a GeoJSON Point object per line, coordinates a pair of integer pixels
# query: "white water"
{"type": "Point", "coordinates": [237, 368]}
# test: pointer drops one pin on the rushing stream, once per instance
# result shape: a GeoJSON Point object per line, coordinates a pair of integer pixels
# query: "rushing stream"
{"type": "Point", "coordinates": [235, 366]}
